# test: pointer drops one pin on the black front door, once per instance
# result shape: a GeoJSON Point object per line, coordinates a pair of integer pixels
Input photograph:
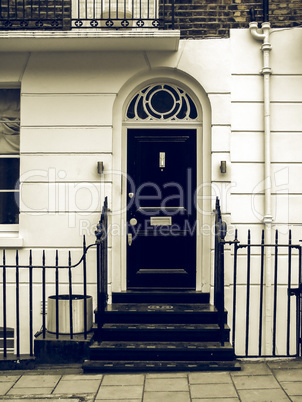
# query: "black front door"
{"type": "Point", "coordinates": [161, 215]}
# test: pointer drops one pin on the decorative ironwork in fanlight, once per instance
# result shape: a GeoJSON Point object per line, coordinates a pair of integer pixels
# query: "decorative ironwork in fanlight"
{"type": "Point", "coordinates": [164, 102]}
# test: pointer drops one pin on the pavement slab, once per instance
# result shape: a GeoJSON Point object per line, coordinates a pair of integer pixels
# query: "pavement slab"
{"type": "Point", "coordinates": [72, 387]}
{"type": "Point", "coordinates": [262, 395]}
{"type": "Point", "coordinates": [167, 396]}
{"type": "Point", "coordinates": [199, 391]}
{"type": "Point", "coordinates": [120, 392]}
{"type": "Point", "coordinates": [80, 377]}
{"type": "Point", "coordinates": [123, 379]}
{"type": "Point", "coordinates": [38, 381]}
{"type": "Point", "coordinates": [256, 382]}
{"type": "Point", "coordinates": [168, 374]}
{"type": "Point", "coordinates": [49, 399]}
{"type": "Point", "coordinates": [117, 400]}
{"type": "Point", "coordinates": [5, 387]}
{"type": "Point", "coordinates": [166, 384]}
{"type": "Point", "coordinates": [285, 364]}
{"type": "Point", "coordinates": [252, 369]}
{"type": "Point", "coordinates": [216, 399]}
{"type": "Point", "coordinates": [288, 375]}
{"type": "Point", "coordinates": [9, 378]}
{"type": "Point", "coordinates": [292, 388]}
{"type": "Point", "coordinates": [30, 391]}
{"type": "Point", "coordinates": [209, 378]}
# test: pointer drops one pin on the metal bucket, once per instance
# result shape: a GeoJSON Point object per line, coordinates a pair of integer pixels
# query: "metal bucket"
{"type": "Point", "coordinates": [64, 314]}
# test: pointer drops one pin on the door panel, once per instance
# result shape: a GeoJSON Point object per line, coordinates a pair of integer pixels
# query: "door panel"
{"type": "Point", "coordinates": [161, 250]}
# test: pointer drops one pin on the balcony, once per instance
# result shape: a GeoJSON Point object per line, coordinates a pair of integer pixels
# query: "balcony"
{"type": "Point", "coordinates": [87, 25]}
{"type": "Point", "coordinates": [56, 15]}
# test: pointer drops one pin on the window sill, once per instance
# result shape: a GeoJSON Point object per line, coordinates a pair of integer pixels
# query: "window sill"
{"type": "Point", "coordinates": [9, 236]}
{"type": "Point", "coordinates": [15, 242]}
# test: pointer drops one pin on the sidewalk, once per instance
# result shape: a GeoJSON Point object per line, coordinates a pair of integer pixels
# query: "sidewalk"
{"type": "Point", "coordinates": [260, 381]}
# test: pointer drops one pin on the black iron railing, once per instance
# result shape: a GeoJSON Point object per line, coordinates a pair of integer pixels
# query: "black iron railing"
{"type": "Point", "coordinates": [265, 302]}
{"type": "Point", "coordinates": [123, 14]}
{"type": "Point", "coordinates": [35, 14]}
{"type": "Point", "coordinates": [17, 275]}
{"type": "Point", "coordinates": [68, 14]}
{"type": "Point", "coordinates": [102, 263]}
{"type": "Point", "coordinates": [265, 320]}
{"type": "Point", "coordinates": [28, 270]}
{"type": "Point", "coordinates": [220, 233]}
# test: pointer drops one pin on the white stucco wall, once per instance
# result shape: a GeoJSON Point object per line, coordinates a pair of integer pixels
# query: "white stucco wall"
{"type": "Point", "coordinates": [247, 153]}
{"type": "Point", "coordinates": [247, 158]}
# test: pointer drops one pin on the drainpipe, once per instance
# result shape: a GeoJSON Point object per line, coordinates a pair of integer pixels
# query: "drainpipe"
{"type": "Point", "coordinates": [264, 36]}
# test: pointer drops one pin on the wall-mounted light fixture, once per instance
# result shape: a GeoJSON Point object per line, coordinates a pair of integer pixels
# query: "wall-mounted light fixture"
{"type": "Point", "coordinates": [223, 166]}
{"type": "Point", "coordinates": [100, 167]}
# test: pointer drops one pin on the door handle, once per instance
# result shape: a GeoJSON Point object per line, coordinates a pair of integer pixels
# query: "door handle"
{"type": "Point", "coordinates": [129, 239]}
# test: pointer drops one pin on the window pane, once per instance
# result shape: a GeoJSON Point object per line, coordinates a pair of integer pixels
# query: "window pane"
{"type": "Point", "coordinates": [9, 173]}
{"type": "Point", "coordinates": [9, 121]}
{"type": "Point", "coordinates": [9, 144]}
{"type": "Point", "coordinates": [9, 210]}
{"type": "Point", "coordinates": [10, 103]}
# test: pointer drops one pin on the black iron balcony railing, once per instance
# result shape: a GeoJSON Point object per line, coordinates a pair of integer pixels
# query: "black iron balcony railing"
{"type": "Point", "coordinates": [76, 14]}
{"type": "Point", "coordinates": [35, 14]}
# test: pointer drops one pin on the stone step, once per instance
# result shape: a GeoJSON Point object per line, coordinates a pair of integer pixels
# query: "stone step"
{"type": "Point", "coordinates": [161, 297]}
{"type": "Point", "coordinates": [160, 313]}
{"type": "Point", "coordinates": [108, 366]}
{"type": "Point", "coordinates": [145, 351]}
{"type": "Point", "coordinates": [161, 332]}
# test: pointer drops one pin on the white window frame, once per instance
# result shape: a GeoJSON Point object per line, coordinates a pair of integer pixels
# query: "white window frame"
{"type": "Point", "coordinates": [9, 233]}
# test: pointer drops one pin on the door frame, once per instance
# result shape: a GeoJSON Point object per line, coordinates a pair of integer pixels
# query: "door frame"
{"type": "Point", "coordinates": [192, 143]}
{"type": "Point", "coordinates": [119, 164]}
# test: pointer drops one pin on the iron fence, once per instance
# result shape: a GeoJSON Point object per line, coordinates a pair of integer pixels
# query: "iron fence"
{"type": "Point", "coordinates": [102, 264]}
{"type": "Point", "coordinates": [35, 14]}
{"type": "Point", "coordinates": [68, 14]}
{"type": "Point", "coordinates": [265, 321]}
{"type": "Point", "coordinates": [17, 269]}
{"type": "Point", "coordinates": [219, 296]}
{"type": "Point", "coordinates": [123, 14]}
{"type": "Point", "coordinates": [265, 301]}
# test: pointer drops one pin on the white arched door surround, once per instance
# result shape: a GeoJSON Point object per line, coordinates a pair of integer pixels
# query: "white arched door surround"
{"type": "Point", "coordinates": [119, 200]}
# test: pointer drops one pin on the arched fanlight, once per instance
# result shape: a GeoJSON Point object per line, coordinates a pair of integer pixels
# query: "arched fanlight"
{"type": "Point", "coordinates": [162, 102]}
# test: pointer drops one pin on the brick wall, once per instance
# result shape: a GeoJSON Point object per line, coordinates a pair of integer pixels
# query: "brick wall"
{"type": "Point", "coordinates": [205, 18]}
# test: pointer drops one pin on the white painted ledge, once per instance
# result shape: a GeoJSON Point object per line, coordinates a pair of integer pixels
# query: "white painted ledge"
{"type": "Point", "coordinates": [7, 242]}
{"type": "Point", "coordinates": [9, 236]}
{"type": "Point", "coordinates": [89, 40]}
